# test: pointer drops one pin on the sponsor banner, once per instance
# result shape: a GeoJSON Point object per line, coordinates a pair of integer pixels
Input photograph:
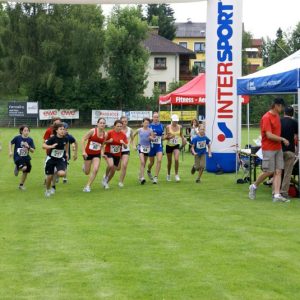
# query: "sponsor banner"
{"type": "Point", "coordinates": [187, 115]}
{"type": "Point", "coordinates": [109, 115]}
{"type": "Point", "coordinates": [65, 114]}
{"type": "Point", "coordinates": [17, 109]}
{"type": "Point", "coordinates": [32, 108]}
{"type": "Point", "coordinates": [223, 67]}
{"type": "Point", "coordinates": [138, 115]}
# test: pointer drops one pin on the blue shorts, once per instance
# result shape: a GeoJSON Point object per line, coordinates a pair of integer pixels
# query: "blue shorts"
{"type": "Point", "coordinates": [155, 149]}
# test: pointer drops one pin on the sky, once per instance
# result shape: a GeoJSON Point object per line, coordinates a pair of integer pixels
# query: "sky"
{"type": "Point", "coordinates": [261, 17]}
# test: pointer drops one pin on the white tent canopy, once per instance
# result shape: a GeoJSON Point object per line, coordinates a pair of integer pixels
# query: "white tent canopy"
{"type": "Point", "coordinates": [105, 1]}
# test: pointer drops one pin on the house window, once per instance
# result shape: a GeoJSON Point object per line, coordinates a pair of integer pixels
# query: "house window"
{"type": "Point", "coordinates": [183, 44]}
{"type": "Point", "coordinates": [199, 47]}
{"type": "Point", "coordinates": [162, 85]}
{"type": "Point", "coordinates": [160, 63]}
{"type": "Point", "coordinates": [200, 65]}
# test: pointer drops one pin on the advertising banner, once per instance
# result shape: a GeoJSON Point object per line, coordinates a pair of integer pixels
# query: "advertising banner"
{"type": "Point", "coordinates": [17, 109]}
{"type": "Point", "coordinates": [32, 109]}
{"type": "Point", "coordinates": [48, 114]}
{"type": "Point", "coordinates": [109, 115]}
{"type": "Point", "coordinates": [186, 115]}
{"type": "Point", "coordinates": [223, 67]}
{"type": "Point", "coordinates": [138, 115]}
{"type": "Point", "coordinates": [65, 114]}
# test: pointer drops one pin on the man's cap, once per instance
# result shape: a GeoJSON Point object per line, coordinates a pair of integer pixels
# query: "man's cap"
{"type": "Point", "coordinates": [279, 101]}
{"type": "Point", "coordinates": [175, 118]}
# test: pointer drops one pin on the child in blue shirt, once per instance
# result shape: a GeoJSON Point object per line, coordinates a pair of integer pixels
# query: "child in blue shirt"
{"type": "Point", "coordinates": [199, 144]}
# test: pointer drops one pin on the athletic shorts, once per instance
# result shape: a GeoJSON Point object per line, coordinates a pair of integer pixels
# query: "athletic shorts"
{"type": "Point", "coordinates": [116, 159]}
{"type": "Point", "coordinates": [200, 161]}
{"type": "Point", "coordinates": [91, 156]}
{"type": "Point", "coordinates": [170, 149]}
{"type": "Point", "coordinates": [20, 163]}
{"type": "Point", "coordinates": [51, 164]}
{"type": "Point", "coordinates": [272, 160]}
{"type": "Point", "coordinates": [125, 153]}
{"type": "Point", "coordinates": [156, 148]}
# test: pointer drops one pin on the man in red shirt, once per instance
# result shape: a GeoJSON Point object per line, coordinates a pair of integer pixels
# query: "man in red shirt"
{"type": "Point", "coordinates": [272, 163]}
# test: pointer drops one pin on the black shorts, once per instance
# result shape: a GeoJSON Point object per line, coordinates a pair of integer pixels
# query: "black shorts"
{"type": "Point", "coordinates": [125, 153]}
{"type": "Point", "coordinates": [170, 149]}
{"type": "Point", "coordinates": [91, 156]}
{"type": "Point", "coordinates": [20, 163]}
{"type": "Point", "coordinates": [115, 158]}
{"type": "Point", "coordinates": [51, 164]}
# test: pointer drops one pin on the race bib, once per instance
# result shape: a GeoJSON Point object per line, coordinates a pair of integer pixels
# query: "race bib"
{"type": "Point", "coordinates": [157, 140]}
{"type": "Point", "coordinates": [115, 149]}
{"type": "Point", "coordinates": [174, 140]}
{"type": "Point", "coordinates": [145, 149]}
{"type": "Point", "coordinates": [57, 153]}
{"type": "Point", "coordinates": [22, 151]}
{"type": "Point", "coordinates": [125, 149]}
{"type": "Point", "coordinates": [95, 146]}
{"type": "Point", "coordinates": [201, 145]}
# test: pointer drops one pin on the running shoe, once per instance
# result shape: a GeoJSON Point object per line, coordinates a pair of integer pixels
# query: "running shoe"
{"type": "Point", "coordinates": [177, 178]}
{"type": "Point", "coordinates": [65, 180]}
{"type": "Point", "coordinates": [86, 189]}
{"type": "Point", "coordinates": [47, 193]}
{"type": "Point", "coordinates": [121, 184]}
{"type": "Point", "coordinates": [143, 180]}
{"type": "Point", "coordinates": [193, 170]}
{"type": "Point", "coordinates": [280, 198]}
{"type": "Point", "coordinates": [198, 180]}
{"type": "Point", "coordinates": [52, 191]}
{"type": "Point", "coordinates": [16, 171]}
{"type": "Point", "coordinates": [149, 175]}
{"type": "Point", "coordinates": [104, 181]}
{"type": "Point", "coordinates": [168, 177]}
{"type": "Point", "coordinates": [155, 180]}
{"type": "Point", "coordinates": [106, 187]}
{"type": "Point", "coordinates": [22, 187]}
{"type": "Point", "coordinates": [252, 192]}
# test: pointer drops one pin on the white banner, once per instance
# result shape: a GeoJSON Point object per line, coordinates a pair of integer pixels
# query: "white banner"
{"type": "Point", "coordinates": [32, 108]}
{"type": "Point", "coordinates": [65, 114]}
{"type": "Point", "coordinates": [110, 116]}
{"type": "Point", "coordinates": [223, 67]}
{"type": "Point", "coordinates": [138, 115]}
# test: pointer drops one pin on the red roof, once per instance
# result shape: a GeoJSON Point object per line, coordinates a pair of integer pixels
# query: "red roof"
{"type": "Point", "coordinates": [192, 93]}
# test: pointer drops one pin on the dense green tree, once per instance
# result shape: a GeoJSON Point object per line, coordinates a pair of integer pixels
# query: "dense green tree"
{"type": "Point", "coordinates": [162, 15]}
{"type": "Point", "coordinates": [126, 58]}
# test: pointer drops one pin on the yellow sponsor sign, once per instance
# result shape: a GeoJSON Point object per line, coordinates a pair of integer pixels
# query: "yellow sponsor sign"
{"type": "Point", "coordinates": [187, 115]}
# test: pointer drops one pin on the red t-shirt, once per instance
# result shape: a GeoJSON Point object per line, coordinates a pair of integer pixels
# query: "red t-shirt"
{"type": "Point", "coordinates": [94, 143]}
{"type": "Point", "coordinates": [270, 122]}
{"type": "Point", "coordinates": [48, 133]}
{"type": "Point", "coordinates": [115, 146]}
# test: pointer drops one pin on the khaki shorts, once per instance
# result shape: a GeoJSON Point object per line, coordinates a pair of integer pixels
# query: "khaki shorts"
{"type": "Point", "coordinates": [272, 160]}
{"type": "Point", "coordinates": [200, 161]}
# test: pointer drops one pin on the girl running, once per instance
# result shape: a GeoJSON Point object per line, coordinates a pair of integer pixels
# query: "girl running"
{"type": "Point", "coordinates": [144, 146]}
{"type": "Point", "coordinates": [173, 135]}
{"type": "Point", "coordinates": [115, 139]}
{"type": "Point", "coordinates": [23, 145]}
{"type": "Point", "coordinates": [91, 151]}
{"type": "Point", "coordinates": [57, 154]}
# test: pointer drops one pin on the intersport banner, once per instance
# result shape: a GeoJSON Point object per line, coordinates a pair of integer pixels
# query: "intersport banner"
{"type": "Point", "coordinates": [223, 67]}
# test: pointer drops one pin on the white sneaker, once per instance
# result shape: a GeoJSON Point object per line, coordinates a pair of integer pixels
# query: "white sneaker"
{"type": "Point", "coordinates": [149, 175]}
{"type": "Point", "coordinates": [252, 192]}
{"type": "Point", "coordinates": [121, 184]}
{"type": "Point", "coordinates": [22, 187]}
{"type": "Point", "coordinates": [65, 180]}
{"type": "Point", "coordinates": [106, 186]}
{"type": "Point", "coordinates": [104, 181]}
{"type": "Point", "coordinates": [177, 178]}
{"type": "Point", "coordinates": [280, 198]}
{"type": "Point", "coordinates": [86, 189]}
{"type": "Point", "coordinates": [52, 191]}
{"type": "Point", "coordinates": [155, 180]}
{"type": "Point", "coordinates": [168, 177]}
{"type": "Point", "coordinates": [47, 193]}
{"type": "Point", "coordinates": [143, 180]}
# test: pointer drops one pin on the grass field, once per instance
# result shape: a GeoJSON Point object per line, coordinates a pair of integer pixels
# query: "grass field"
{"type": "Point", "coordinates": [167, 241]}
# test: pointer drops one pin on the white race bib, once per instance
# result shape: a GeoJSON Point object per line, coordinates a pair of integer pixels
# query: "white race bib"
{"type": "Point", "coordinates": [57, 153]}
{"type": "Point", "coordinates": [115, 149]}
{"type": "Point", "coordinates": [144, 149]}
{"type": "Point", "coordinates": [157, 140]}
{"type": "Point", "coordinates": [201, 145]}
{"type": "Point", "coordinates": [22, 151]}
{"type": "Point", "coordinates": [174, 140]}
{"type": "Point", "coordinates": [94, 146]}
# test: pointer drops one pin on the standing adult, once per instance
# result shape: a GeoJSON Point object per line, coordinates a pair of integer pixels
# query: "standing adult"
{"type": "Point", "coordinates": [115, 139]}
{"type": "Point", "coordinates": [272, 163]}
{"type": "Point", "coordinates": [92, 143]}
{"type": "Point", "coordinates": [173, 135]}
{"type": "Point", "coordinates": [289, 131]}
{"type": "Point", "coordinates": [157, 147]}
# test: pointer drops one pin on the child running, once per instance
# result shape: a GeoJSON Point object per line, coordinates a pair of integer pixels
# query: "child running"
{"type": "Point", "coordinates": [144, 146]}
{"type": "Point", "coordinates": [57, 147]}
{"type": "Point", "coordinates": [23, 145]}
{"type": "Point", "coordinates": [91, 152]}
{"type": "Point", "coordinates": [199, 144]}
{"type": "Point", "coordinates": [115, 139]}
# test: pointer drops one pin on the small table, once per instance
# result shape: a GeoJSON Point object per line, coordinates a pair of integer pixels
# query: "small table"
{"type": "Point", "coordinates": [251, 154]}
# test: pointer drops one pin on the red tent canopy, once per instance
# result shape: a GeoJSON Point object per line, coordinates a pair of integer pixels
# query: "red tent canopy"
{"type": "Point", "coordinates": [192, 93]}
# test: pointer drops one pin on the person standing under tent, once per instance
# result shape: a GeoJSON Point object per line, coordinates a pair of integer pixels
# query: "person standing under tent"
{"type": "Point", "coordinates": [91, 145]}
{"type": "Point", "coordinates": [57, 147]}
{"type": "Point", "coordinates": [125, 151]}
{"type": "Point", "coordinates": [115, 139]}
{"type": "Point", "coordinates": [157, 147]}
{"type": "Point", "coordinates": [23, 145]}
{"type": "Point", "coordinates": [173, 136]}
{"type": "Point", "coordinates": [272, 163]}
{"type": "Point", "coordinates": [289, 131]}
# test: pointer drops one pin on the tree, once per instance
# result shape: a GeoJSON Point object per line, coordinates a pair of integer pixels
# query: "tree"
{"type": "Point", "coordinates": [162, 15]}
{"type": "Point", "coordinates": [246, 43]}
{"type": "Point", "coordinates": [126, 57]}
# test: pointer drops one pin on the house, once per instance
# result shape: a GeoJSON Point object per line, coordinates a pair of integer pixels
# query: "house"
{"type": "Point", "coordinates": [168, 62]}
{"type": "Point", "coordinates": [254, 55]}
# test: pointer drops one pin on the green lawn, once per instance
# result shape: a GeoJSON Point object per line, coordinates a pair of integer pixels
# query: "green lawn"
{"type": "Point", "coordinates": [170, 241]}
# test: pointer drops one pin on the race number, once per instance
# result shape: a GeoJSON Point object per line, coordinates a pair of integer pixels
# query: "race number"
{"type": "Point", "coordinates": [22, 151]}
{"type": "Point", "coordinates": [95, 146]}
{"type": "Point", "coordinates": [174, 140]}
{"type": "Point", "coordinates": [115, 149]}
{"type": "Point", "coordinates": [57, 153]}
{"type": "Point", "coordinates": [145, 149]}
{"type": "Point", "coordinates": [157, 140]}
{"type": "Point", "coordinates": [201, 145]}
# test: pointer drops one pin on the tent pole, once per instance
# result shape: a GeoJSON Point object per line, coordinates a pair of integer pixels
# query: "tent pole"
{"type": "Point", "coordinates": [248, 123]}
{"type": "Point", "coordinates": [298, 136]}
